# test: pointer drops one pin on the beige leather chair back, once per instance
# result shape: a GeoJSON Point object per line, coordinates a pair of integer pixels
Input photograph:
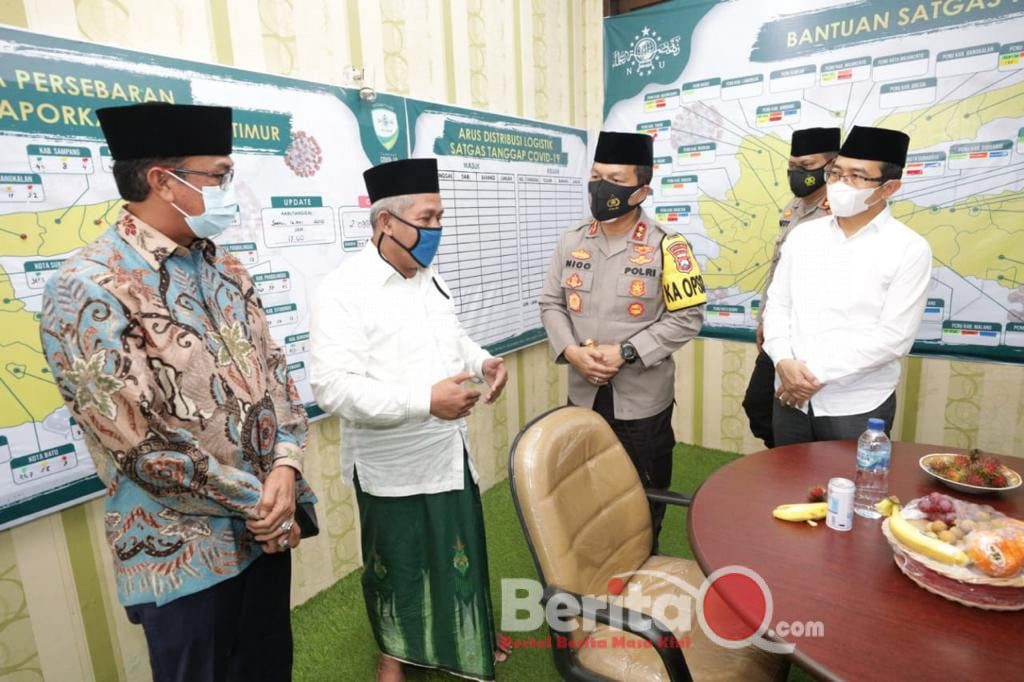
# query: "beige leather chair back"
{"type": "Point", "coordinates": [581, 500]}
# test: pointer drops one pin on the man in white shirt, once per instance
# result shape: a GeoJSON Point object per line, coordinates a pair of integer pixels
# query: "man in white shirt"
{"type": "Point", "coordinates": [390, 358]}
{"type": "Point", "coordinates": [847, 299]}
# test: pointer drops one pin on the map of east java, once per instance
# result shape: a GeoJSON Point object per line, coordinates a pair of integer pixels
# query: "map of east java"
{"type": "Point", "coordinates": [963, 217]}
{"type": "Point", "coordinates": [46, 234]}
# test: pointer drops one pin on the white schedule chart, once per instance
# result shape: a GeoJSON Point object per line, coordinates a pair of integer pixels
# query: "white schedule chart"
{"type": "Point", "coordinates": [509, 187]}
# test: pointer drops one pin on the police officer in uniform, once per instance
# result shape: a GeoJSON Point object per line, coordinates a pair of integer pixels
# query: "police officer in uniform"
{"type": "Point", "coordinates": [810, 151]}
{"type": "Point", "coordinates": [621, 295]}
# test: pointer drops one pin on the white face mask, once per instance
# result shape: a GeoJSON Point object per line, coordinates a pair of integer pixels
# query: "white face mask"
{"type": "Point", "coordinates": [845, 201]}
{"type": "Point", "coordinates": [219, 210]}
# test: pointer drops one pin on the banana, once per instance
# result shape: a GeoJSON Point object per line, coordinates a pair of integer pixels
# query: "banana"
{"type": "Point", "coordinates": [913, 539]}
{"type": "Point", "coordinates": [807, 511]}
{"type": "Point", "coordinates": [885, 507]}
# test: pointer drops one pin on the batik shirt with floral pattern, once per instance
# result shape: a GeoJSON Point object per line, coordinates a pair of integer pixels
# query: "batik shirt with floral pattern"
{"type": "Point", "coordinates": [164, 357]}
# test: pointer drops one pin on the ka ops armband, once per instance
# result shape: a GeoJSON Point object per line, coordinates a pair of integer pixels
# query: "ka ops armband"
{"type": "Point", "coordinates": [681, 281]}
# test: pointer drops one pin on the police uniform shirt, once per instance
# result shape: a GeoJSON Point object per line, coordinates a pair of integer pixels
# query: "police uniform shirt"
{"type": "Point", "coordinates": [644, 287]}
{"type": "Point", "coordinates": [796, 212]}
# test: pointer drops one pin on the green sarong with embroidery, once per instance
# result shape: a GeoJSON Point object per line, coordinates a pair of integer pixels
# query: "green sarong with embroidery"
{"type": "Point", "coordinates": [425, 579]}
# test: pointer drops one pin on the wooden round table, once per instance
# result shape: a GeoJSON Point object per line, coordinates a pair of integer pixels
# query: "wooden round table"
{"type": "Point", "coordinates": [877, 623]}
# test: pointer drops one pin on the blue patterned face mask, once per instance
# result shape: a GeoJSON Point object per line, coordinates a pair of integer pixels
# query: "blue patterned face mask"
{"type": "Point", "coordinates": [427, 241]}
{"type": "Point", "coordinates": [220, 209]}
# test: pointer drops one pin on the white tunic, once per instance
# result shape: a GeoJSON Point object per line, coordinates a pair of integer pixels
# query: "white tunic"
{"type": "Point", "coordinates": [379, 344]}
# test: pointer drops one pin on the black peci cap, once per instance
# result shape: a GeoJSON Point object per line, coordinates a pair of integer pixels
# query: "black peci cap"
{"type": "Point", "coordinates": [635, 149]}
{"type": "Point", "coordinates": [406, 176]}
{"type": "Point", "coordinates": [876, 144]}
{"type": "Point", "coordinates": [160, 130]}
{"type": "Point", "coordinates": [814, 141]}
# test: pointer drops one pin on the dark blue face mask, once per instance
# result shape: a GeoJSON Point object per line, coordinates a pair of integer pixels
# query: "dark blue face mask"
{"type": "Point", "coordinates": [427, 241]}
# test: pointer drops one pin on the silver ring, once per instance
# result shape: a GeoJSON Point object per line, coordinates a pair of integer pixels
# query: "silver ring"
{"type": "Point", "coordinates": [286, 526]}
{"type": "Point", "coordinates": [593, 380]}
{"type": "Point", "coordinates": [284, 543]}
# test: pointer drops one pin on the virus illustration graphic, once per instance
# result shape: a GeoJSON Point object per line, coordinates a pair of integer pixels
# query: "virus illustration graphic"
{"type": "Point", "coordinates": [303, 155]}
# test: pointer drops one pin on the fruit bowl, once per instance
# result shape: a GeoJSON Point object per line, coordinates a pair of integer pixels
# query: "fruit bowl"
{"type": "Point", "coordinates": [966, 552]}
{"type": "Point", "coordinates": [1013, 479]}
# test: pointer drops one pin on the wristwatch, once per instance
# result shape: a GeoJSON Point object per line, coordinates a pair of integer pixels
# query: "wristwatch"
{"type": "Point", "coordinates": [628, 352]}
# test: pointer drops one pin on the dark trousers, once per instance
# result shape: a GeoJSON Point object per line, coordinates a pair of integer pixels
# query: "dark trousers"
{"type": "Point", "coordinates": [237, 630]}
{"type": "Point", "coordinates": [649, 442]}
{"type": "Point", "coordinates": [759, 401]}
{"type": "Point", "coordinates": [793, 426]}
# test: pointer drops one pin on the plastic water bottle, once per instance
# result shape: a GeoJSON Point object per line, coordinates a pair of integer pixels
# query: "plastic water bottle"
{"type": "Point", "coordinates": [874, 455]}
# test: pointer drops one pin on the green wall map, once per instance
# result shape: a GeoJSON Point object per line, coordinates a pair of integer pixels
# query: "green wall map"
{"type": "Point", "coordinates": [951, 79]}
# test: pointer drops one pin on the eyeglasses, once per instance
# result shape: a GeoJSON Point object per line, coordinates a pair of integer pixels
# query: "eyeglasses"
{"type": "Point", "coordinates": [853, 179]}
{"type": "Point", "coordinates": [223, 179]}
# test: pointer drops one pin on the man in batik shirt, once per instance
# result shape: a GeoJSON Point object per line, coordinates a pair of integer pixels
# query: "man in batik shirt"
{"type": "Point", "coordinates": [159, 344]}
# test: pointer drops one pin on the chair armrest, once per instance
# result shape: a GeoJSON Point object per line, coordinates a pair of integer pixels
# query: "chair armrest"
{"type": "Point", "coordinates": [668, 497]}
{"type": "Point", "coordinates": [655, 633]}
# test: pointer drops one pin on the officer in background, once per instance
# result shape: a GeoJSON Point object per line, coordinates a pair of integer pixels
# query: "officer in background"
{"type": "Point", "coordinates": [621, 295]}
{"type": "Point", "coordinates": [810, 151]}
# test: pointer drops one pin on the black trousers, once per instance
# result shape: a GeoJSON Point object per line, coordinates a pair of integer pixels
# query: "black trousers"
{"type": "Point", "coordinates": [238, 630]}
{"type": "Point", "coordinates": [793, 426]}
{"type": "Point", "coordinates": [759, 401]}
{"type": "Point", "coordinates": [649, 443]}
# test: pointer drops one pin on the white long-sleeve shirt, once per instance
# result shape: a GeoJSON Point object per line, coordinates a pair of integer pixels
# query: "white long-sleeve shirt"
{"type": "Point", "coordinates": [379, 344]}
{"type": "Point", "coordinates": [849, 308]}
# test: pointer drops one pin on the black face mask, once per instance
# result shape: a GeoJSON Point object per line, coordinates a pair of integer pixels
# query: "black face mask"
{"type": "Point", "coordinates": [609, 201]}
{"type": "Point", "coordinates": [804, 183]}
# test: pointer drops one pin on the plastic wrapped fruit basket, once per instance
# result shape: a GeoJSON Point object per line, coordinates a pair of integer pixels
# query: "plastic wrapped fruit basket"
{"type": "Point", "coordinates": [992, 578]}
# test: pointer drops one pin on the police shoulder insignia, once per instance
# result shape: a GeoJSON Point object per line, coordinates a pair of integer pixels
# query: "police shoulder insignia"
{"type": "Point", "coordinates": [681, 281]}
{"type": "Point", "coordinates": [639, 233]}
{"type": "Point", "coordinates": [592, 230]}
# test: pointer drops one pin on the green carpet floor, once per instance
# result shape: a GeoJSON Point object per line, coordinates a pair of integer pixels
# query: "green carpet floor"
{"type": "Point", "coordinates": [333, 640]}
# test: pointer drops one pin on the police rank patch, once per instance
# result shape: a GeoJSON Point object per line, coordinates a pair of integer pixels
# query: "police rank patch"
{"type": "Point", "coordinates": [575, 302]}
{"type": "Point", "coordinates": [681, 281]}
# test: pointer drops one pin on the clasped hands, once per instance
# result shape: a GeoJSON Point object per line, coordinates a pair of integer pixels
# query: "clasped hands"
{"type": "Point", "coordinates": [596, 363]}
{"type": "Point", "coordinates": [275, 527]}
{"type": "Point", "coordinates": [798, 383]}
